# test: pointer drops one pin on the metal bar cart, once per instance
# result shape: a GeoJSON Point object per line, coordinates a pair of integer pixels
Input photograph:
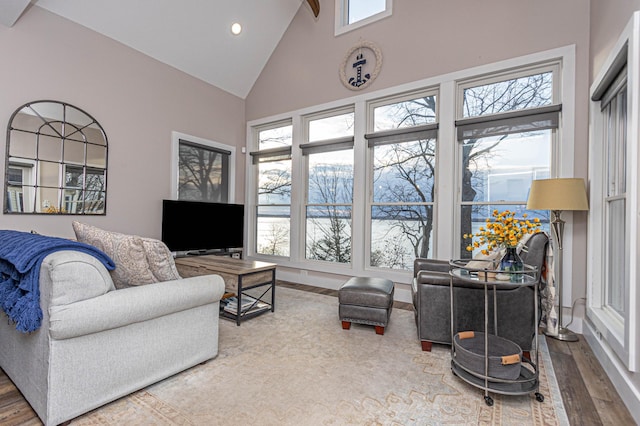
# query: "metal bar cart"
{"type": "Point", "coordinates": [478, 363]}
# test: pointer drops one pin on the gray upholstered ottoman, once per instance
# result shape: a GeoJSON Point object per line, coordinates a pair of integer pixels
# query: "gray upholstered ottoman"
{"type": "Point", "coordinates": [366, 300]}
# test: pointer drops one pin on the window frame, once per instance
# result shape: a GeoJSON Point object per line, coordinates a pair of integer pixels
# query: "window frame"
{"type": "Point", "coordinates": [27, 171]}
{"type": "Point", "coordinates": [342, 25]}
{"type": "Point", "coordinates": [372, 135]}
{"type": "Point", "coordinates": [297, 269]}
{"type": "Point", "coordinates": [620, 333]}
{"type": "Point", "coordinates": [281, 152]}
{"type": "Point", "coordinates": [554, 67]}
{"type": "Point", "coordinates": [308, 148]}
{"type": "Point", "coordinates": [176, 137]}
{"type": "Point", "coordinates": [551, 111]}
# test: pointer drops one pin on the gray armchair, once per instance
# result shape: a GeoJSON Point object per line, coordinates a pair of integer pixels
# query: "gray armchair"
{"type": "Point", "coordinates": [432, 304]}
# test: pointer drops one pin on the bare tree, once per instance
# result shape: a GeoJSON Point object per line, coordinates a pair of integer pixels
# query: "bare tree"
{"type": "Point", "coordinates": [274, 193]}
{"type": "Point", "coordinates": [413, 164]}
{"type": "Point", "coordinates": [510, 95]}
{"type": "Point", "coordinates": [200, 174]}
{"type": "Point", "coordinates": [275, 181]}
{"type": "Point", "coordinates": [412, 167]}
{"type": "Point", "coordinates": [332, 184]}
{"type": "Point", "coordinates": [277, 239]}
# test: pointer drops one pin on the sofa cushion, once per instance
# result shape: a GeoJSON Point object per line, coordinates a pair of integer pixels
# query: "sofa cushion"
{"type": "Point", "coordinates": [138, 260]}
{"type": "Point", "coordinates": [127, 252]}
{"type": "Point", "coordinates": [77, 276]}
{"type": "Point", "coordinates": [161, 262]}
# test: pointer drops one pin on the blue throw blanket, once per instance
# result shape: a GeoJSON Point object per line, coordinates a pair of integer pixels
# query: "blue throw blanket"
{"type": "Point", "coordinates": [21, 255]}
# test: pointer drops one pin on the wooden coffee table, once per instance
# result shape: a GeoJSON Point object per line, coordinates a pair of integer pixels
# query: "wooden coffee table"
{"type": "Point", "coordinates": [239, 276]}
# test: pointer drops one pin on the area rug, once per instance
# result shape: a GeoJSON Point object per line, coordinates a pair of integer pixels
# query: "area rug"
{"type": "Point", "coordinates": [297, 366]}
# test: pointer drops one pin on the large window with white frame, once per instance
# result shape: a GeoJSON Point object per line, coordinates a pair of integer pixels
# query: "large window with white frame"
{"type": "Point", "coordinates": [273, 163]}
{"type": "Point", "coordinates": [506, 128]}
{"type": "Point", "coordinates": [328, 154]}
{"type": "Point", "coordinates": [352, 14]}
{"type": "Point", "coordinates": [379, 179]}
{"type": "Point", "coordinates": [613, 225]}
{"type": "Point", "coordinates": [402, 174]}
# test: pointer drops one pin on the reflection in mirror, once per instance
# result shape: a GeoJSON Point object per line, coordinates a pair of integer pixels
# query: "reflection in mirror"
{"type": "Point", "coordinates": [56, 161]}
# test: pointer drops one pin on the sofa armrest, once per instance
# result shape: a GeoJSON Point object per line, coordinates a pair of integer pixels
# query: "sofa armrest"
{"type": "Point", "coordinates": [433, 265]}
{"type": "Point", "coordinates": [433, 278]}
{"type": "Point", "coordinates": [119, 308]}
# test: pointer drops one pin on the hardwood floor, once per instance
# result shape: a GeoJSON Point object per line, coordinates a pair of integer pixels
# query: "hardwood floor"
{"type": "Point", "coordinates": [588, 394]}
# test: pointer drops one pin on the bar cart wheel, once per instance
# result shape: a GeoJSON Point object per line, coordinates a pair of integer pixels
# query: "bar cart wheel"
{"type": "Point", "coordinates": [488, 400]}
{"type": "Point", "coordinates": [539, 397]}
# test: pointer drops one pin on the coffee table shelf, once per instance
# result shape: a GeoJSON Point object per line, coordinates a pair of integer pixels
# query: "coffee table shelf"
{"type": "Point", "coordinates": [239, 276]}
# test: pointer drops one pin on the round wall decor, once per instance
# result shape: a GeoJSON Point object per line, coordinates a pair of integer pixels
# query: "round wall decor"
{"type": "Point", "coordinates": [361, 65]}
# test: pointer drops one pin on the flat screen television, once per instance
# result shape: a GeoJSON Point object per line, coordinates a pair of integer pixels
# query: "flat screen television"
{"type": "Point", "coordinates": [193, 227]}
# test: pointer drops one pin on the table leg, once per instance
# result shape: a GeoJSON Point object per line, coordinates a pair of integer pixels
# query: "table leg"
{"type": "Point", "coordinates": [239, 312]}
{"type": "Point", "coordinates": [273, 290]}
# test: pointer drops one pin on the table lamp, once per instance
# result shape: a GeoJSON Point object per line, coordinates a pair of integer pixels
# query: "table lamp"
{"type": "Point", "coordinates": [558, 195]}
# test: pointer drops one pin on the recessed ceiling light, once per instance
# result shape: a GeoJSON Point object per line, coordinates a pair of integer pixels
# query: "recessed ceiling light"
{"type": "Point", "coordinates": [236, 28]}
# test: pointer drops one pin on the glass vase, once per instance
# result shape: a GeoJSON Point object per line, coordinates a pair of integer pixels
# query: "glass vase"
{"type": "Point", "coordinates": [511, 261]}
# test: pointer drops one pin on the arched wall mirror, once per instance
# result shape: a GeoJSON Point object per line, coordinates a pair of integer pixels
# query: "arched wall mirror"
{"type": "Point", "coordinates": [56, 161]}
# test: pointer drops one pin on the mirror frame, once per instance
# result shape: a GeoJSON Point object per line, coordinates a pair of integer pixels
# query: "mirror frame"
{"type": "Point", "coordinates": [52, 136]}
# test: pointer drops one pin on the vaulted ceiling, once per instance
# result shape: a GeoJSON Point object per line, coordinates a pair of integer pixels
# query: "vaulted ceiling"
{"type": "Point", "coordinates": [193, 36]}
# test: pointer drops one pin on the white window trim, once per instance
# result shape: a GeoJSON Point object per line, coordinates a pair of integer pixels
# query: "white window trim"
{"type": "Point", "coordinates": [622, 338]}
{"type": "Point", "coordinates": [297, 269]}
{"type": "Point", "coordinates": [306, 120]}
{"type": "Point", "coordinates": [252, 188]}
{"type": "Point", "coordinates": [175, 144]}
{"type": "Point", "coordinates": [342, 27]}
{"type": "Point", "coordinates": [28, 168]}
{"type": "Point", "coordinates": [367, 196]}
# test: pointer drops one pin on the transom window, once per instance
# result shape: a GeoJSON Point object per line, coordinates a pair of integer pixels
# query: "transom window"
{"type": "Point", "coordinates": [352, 14]}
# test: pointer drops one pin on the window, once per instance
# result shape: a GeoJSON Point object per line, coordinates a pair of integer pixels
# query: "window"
{"type": "Point", "coordinates": [403, 163]}
{"type": "Point", "coordinates": [329, 195]}
{"type": "Point", "coordinates": [613, 211]}
{"type": "Point", "coordinates": [352, 14]}
{"type": "Point", "coordinates": [273, 160]}
{"type": "Point", "coordinates": [18, 179]}
{"type": "Point", "coordinates": [505, 132]}
{"type": "Point", "coordinates": [83, 189]}
{"type": "Point", "coordinates": [364, 185]}
{"type": "Point", "coordinates": [614, 109]}
{"type": "Point", "coordinates": [203, 169]}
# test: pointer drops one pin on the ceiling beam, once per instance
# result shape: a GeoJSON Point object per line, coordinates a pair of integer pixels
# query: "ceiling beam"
{"type": "Point", "coordinates": [315, 6]}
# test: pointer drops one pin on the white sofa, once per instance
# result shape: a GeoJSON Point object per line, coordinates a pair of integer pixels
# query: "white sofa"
{"type": "Point", "coordinates": [97, 344]}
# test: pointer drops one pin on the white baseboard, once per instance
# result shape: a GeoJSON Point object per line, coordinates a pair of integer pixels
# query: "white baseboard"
{"type": "Point", "coordinates": [402, 291]}
{"type": "Point", "coordinates": [626, 383]}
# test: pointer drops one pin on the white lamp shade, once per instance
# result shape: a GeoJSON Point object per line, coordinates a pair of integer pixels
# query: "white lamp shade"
{"type": "Point", "coordinates": [558, 194]}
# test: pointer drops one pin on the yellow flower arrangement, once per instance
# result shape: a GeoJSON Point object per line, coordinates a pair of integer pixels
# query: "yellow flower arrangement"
{"type": "Point", "coordinates": [52, 209]}
{"type": "Point", "coordinates": [504, 231]}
